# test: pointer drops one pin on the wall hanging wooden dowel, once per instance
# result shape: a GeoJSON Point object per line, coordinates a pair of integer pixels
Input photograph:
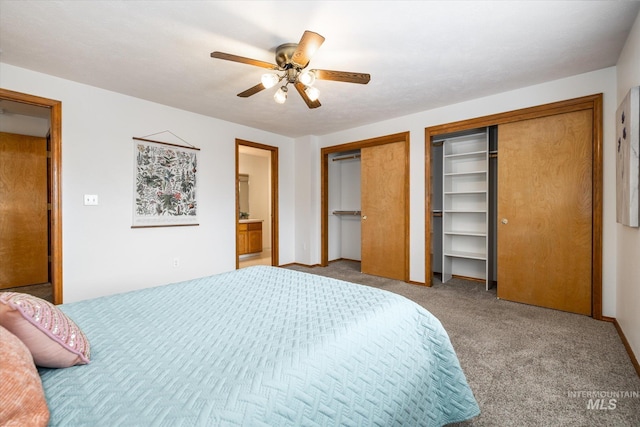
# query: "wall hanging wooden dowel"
{"type": "Point", "coordinates": [146, 139]}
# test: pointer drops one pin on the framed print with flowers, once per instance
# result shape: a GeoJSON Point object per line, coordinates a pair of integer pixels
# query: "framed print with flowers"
{"type": "Point", "coordinates": [165, 184]}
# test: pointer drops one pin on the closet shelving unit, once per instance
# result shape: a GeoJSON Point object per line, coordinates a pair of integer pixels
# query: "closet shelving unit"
{"type": "Point", "coordinates": [465, 182]}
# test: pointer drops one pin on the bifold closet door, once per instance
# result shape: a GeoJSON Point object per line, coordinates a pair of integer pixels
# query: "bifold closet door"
{"type": "Point", "coordinates": [23, 210]}
{"type": "Point", "coordinates": [383, 202]}
{"type": "Point", "coordinates": [545, 211]}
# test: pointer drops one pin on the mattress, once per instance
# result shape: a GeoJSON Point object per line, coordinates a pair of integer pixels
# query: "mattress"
{"type": "Point", "coordinates": [261, 346]}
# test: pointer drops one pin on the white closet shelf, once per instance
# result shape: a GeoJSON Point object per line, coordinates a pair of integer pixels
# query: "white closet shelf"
{"type": "Point", "coordinates": [465, 173]}
{"type": "Point", "coordinates": [479, 211]}
{"type": "Point", "coordinates": [469, 154]}
{"type": "Point", "coordinates": [465, 202]}
{"type": "Point", "coordinates": [466, 233]}
{"type": "Point", "coordinates": [455, 193]}
{"type": "Point", "coordinates": [467, 255]}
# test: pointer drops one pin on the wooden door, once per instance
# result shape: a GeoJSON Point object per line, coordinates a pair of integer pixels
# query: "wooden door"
{"type": "Point", "coordinates": [545, 211]}
{"type": "Point", "coordinates": [23, 211]}
{"type": "Point", "coordinates": [383, 203]}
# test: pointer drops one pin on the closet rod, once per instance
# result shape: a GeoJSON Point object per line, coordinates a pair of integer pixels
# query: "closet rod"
{"type": "Point", "coordinates": [347, 213]}
{"type": "Point", "coordinates": [355, 156]}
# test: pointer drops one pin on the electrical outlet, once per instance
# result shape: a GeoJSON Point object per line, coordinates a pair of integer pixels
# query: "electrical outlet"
{"type": "Point", "coordinates": [176, 262]}
{"type": "Point", "coordinates": [91, 200]}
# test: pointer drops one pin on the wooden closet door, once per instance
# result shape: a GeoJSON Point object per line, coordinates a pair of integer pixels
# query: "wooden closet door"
{"type": "Point", "coordinates": [383, 202]}
{"type": "Point", "coordinates": [23, 211]}
{"type": "Point", "coordinates": [545, 211]}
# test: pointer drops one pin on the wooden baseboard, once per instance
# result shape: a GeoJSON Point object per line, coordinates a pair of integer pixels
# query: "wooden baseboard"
{"type": "Point", "coordinates": [300, 265]}
{"type": "Point", "coordinates": [411, 282]}
{"type": "Point", "coordinates": [318, 265]}
{"type": "Point", "coordinates": [344, 259]}
{"type": "Point", "coordinates": [634, 360]}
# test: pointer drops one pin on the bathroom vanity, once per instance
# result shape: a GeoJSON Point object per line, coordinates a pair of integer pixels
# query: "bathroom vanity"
{"type": "Point", "coordinates": [249, 236]}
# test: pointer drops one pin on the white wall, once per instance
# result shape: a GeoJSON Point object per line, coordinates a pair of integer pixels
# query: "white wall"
{"type": "Point", "coordinates": [628, 249]}
{"type": "Point", "coordinates": [305, 202]}
{"type": "Point", "coordinates": [101, 253]}
{"type": "Point", "coordinates": [350, 226]}
{"type": "Point", "coordinates": [601, 81]}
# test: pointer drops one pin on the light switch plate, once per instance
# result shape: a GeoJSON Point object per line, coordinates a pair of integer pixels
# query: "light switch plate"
{"type": "Point", "coordinates": [90, 199]}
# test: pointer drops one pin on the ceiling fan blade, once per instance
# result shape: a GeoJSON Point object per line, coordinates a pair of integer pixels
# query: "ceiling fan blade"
{"type": "Point", "coordinates": [308, 45]}
{"type": "Point", "coordinates": [251, 91]}
{"type": "Point", "coordinates": [242, 59]}
{"type": "Point", "coordinates": [342, 76]}
{"type": "Point", "coordinates": [303, 94]}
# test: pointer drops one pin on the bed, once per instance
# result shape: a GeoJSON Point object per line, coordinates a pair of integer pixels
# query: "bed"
{"type": "Point", "coordinates": [261, 346]}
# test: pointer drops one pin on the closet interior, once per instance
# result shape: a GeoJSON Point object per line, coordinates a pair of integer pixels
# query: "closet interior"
{"type": "Point", "coordinates": [464, 202]}
{"type": "Point", "coordinates": [344, 206]}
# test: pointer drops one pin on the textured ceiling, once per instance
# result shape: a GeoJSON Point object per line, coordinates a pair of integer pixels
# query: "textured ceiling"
{"type": "Point", "coordinates": [420, 54]}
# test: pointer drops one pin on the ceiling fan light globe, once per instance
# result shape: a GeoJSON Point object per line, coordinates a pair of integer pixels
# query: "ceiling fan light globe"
{"type": "Point", "coordinates": [269, 80]}
{"type": "Point", "coordinates": [307, 78]}
{"type": "Point", "coordinates": [281, 95]}
{"type": "Point", "coordinates": [312, 93]}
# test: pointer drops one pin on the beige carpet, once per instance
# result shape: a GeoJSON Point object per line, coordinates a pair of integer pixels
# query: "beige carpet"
{"type": "Point", "coordinates": [44, 291]}
{"type": "Point", "coordinates": [527, 366]}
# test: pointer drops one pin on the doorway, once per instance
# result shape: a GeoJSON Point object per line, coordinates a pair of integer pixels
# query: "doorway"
{"type": "Point", "coordinates": [256, 204]}
{"type": "Point", "coordinates": [54, 155]}
{"type": "Point", "coordinates": [384, 213]}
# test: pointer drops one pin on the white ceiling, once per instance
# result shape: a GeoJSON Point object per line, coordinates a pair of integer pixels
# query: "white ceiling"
{"type": "Point", "coordinates": [420, 54]}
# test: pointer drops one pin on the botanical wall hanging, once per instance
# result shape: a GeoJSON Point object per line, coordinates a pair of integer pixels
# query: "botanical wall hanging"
{"type": "Point", "coordinates": [165, 187]}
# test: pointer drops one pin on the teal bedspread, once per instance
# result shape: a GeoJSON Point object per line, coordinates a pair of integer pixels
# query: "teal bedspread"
{"type": "Point", "coordinates": [261, 346]}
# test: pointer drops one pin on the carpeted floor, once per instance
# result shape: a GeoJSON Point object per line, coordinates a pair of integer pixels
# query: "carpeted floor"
{"type": "Point", "coordinates": [527, 366]}
{"type": "Point", "coordinates": [44, 291]}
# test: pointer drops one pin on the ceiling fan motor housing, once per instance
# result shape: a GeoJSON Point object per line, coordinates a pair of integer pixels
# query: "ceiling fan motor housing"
{"type": "Point", "coordinates": [284, 56]}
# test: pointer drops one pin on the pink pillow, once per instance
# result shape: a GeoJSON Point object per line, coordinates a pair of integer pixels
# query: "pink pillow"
{"type": "Point", "coordinates": [53, 339]}
{"type": "Point", "coordinates": [23, 401]}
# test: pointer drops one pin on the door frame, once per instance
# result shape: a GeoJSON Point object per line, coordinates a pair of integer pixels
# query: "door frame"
{"type": "Point", "coordinates": [273, 154]}
{"type": "Point", "coordinates": [324, 190]}
{"type": "Point", "coordinates": [54, 180]}
{"type": "Point", "coordinates": [590, 102]}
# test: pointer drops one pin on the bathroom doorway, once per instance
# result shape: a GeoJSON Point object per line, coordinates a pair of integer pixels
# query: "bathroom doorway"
{"type": "Point", "coordinates": [256, 204]}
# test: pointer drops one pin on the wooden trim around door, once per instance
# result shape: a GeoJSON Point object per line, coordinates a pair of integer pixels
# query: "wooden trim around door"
{"type": "Point", "coordinates": [324, 190]}
{"type": "Point", "coordinates": [275, 252]}
{"type": "Point", "coordinates": [55, 180]}
{"type": "Point", "coordinates": [590, 102]}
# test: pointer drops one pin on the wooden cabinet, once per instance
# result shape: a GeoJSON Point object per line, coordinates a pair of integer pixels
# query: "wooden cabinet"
{"type": "Point", "coordinates": [249, 237]}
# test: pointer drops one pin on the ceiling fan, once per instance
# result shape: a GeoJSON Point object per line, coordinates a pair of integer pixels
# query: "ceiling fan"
{"type": "Point", "coordinates": [292, 61]}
